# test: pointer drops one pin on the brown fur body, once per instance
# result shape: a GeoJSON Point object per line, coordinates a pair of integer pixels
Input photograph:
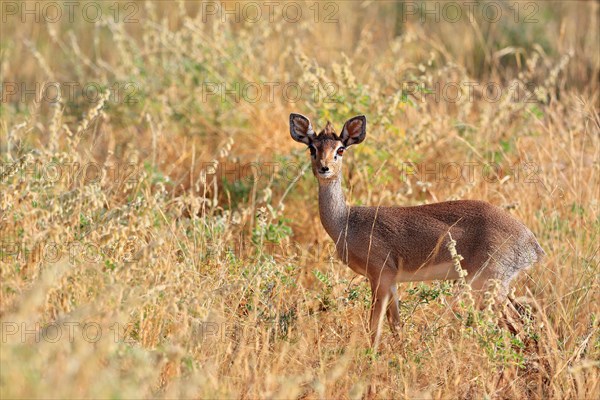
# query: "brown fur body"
{"type": "Point", "coordinates": [482, 231]}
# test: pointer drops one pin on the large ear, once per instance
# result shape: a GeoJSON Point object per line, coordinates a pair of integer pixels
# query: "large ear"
{"type": "Point", "coordinates": [354, 130]}
{"type": "Point", "coordinates": [301, 129]}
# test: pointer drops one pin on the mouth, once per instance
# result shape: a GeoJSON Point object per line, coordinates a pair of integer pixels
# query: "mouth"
{"type": "Point", "coordinates": [326, 175]}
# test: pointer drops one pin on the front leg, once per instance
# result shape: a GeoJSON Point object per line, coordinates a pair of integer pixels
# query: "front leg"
{"type": "Point", "coordinates": [382, 293]}
{"type": "Point", "coordinates": [376, 319]}
{"type": "Point", "coordinates": [393, 310]}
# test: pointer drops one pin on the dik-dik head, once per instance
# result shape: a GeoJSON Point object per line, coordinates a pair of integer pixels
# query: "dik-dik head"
{"type": "Point", "coordinates": [327, 148]}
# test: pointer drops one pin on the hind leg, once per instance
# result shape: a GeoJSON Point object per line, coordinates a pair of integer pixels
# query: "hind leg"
{"type": "Point", "coordinates": [478, 285]}
{"type": "Point", "coordinates": [486, 283]}
{"type": "Point", "coordinates": [493, 293]}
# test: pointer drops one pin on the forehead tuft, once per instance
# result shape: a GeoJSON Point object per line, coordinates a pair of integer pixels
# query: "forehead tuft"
{"type": "Point", "coordinates": [328, 133]}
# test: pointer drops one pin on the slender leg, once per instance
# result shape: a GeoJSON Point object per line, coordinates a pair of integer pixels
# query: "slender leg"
{"type": "Point", "coordinates": [393, 310]}
{"type": "Point", "coordinates": [484, 283]}
{"type": "Point", "coordinates": [376, 317]}
{"type": "Point", "coordinates": [381, 296]}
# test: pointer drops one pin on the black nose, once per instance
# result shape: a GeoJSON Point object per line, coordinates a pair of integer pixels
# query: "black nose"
{"type": "Point", "coordinates": [324, 169]}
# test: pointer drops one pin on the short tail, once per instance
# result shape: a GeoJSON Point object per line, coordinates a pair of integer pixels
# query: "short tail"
{"type": "Point", "coordinates": [539, 252]}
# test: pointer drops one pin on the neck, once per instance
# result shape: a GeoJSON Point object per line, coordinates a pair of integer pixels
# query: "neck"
{"type": "Point", "coordinates": [332, 207]}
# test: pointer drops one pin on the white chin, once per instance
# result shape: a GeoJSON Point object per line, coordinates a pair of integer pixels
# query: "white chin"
{"type": "Point", "coordinates": [326, 175]}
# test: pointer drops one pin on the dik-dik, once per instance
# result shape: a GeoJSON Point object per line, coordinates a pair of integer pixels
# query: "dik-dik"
{"type": "Point", "coordinates": [407, 244]}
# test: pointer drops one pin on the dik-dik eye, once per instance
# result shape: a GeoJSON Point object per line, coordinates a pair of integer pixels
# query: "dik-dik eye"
{"type": "Point", "coordinates": [340, 151]}
{"type": "Point", "coordinates": [313, 151]}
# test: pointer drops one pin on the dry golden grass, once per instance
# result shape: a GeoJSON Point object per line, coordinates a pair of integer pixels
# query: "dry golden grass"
{"type": "Point", "coordinates": [140, 258]}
